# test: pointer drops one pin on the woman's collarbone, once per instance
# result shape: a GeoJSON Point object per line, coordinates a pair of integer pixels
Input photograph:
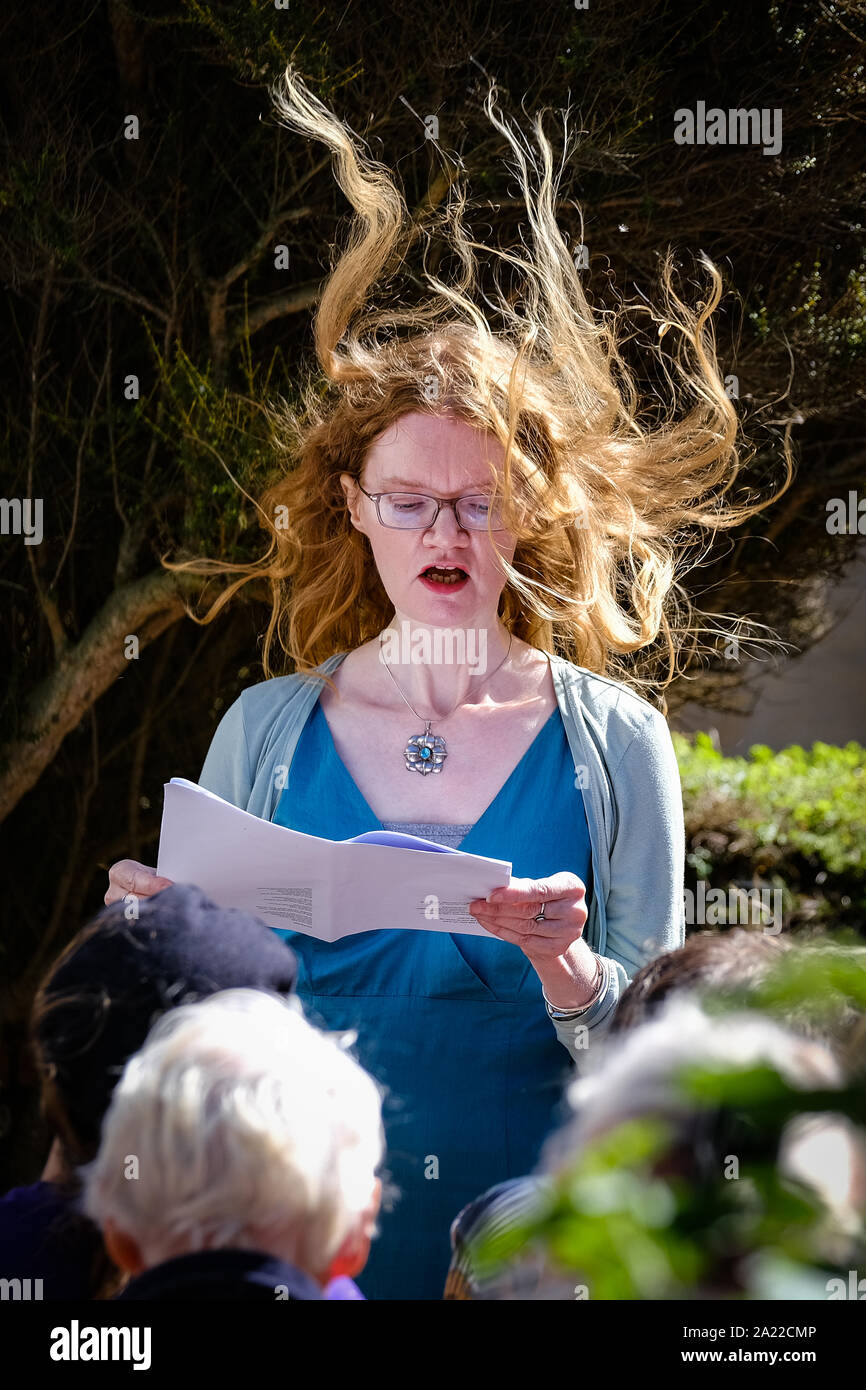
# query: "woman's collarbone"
{"type": "Point", "coordinates": [482, 749]}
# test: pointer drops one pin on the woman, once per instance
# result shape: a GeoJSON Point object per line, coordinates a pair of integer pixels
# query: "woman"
{"type": "Point", "coordinates": [494, 492]}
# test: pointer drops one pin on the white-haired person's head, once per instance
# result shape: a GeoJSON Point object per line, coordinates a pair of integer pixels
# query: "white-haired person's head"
{"type": "Point", "coordinates": [240, 1126]}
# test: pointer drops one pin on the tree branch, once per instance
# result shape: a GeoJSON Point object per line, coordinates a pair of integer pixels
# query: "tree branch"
{"type": "Point", "coordinates": [292, 302]}
{"type": "Point", "coordinates": [83, 673]}
{"type": "Point", "coordinates": [118, 291]}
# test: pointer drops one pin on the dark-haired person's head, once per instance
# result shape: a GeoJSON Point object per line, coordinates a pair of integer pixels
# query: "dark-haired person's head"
{"type": "Point", "coordinates": [710, 964]}
{"type": "Point", "coordinates": [641, 1076]}
{"type": "Point", "coordinates": [709, 961]}
{"type": "Point", "coordinates": [98, 1000]}
{"type": "Point", "coordinates": [715, 963]}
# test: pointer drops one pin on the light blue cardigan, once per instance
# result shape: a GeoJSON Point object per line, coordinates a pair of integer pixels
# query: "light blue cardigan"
{"type": "Point", "coordinates": [624, 762]}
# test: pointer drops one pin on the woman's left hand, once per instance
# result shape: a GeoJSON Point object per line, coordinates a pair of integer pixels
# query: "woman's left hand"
{"type": "Point", "coordinates": [510, 914]}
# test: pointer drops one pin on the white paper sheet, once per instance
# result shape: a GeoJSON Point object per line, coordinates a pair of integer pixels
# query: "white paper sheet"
{"type": "Point", "coordinates": [325, 888]}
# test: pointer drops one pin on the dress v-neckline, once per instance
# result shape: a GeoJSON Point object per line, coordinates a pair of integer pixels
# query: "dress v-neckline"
{"type": "Point", "coordinates": [368, 810]}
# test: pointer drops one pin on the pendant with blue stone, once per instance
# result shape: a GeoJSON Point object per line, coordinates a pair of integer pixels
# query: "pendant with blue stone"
{"type": "Point", "coordinates": [425, 752]}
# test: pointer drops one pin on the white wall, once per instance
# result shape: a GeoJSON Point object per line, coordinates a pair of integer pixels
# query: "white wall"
{"type": "Point", "coordinates": [818, 696]}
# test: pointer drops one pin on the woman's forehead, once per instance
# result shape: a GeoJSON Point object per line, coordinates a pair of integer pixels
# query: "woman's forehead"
{"type": "Point", "coordinates": [421, 449]}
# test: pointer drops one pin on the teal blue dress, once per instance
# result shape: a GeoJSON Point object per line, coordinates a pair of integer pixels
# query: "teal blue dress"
{"type": "Point", "coordinates": [453, 1026]}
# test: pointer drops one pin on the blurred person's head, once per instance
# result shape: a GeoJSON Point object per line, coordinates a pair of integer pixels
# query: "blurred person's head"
{"type": "Point", "coordinates": [639, 1075]}
{"type": "Point", "coordinates": [98, 1000]}
{"type": "Point", "coordinates": [250, 1129]}
{"type": "Point", "coordinates": [709, 961]}
{"type": "Point", "coordinates": [679, 1178]}
{"type": "Point", "coordinates": [713, 964]}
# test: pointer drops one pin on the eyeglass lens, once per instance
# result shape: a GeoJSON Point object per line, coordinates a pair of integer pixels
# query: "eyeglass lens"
{"type": "Point", "coordinates": [411, 511]}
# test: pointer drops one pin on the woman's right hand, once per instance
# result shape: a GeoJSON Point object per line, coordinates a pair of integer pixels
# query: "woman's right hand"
{"type": "Point", "coordinates": [128, 876]}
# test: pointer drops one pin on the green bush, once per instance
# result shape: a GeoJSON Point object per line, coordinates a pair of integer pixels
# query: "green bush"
{"type": "Point", "coordinates": [628, 1227]}
{"type": "Point", "coordinates": [807, 802]}
{"type": "Point", "coordinates": [793, 821]}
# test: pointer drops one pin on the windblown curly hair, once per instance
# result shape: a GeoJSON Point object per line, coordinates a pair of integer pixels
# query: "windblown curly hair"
{"type": "Point", "coordinates": [610, 500]}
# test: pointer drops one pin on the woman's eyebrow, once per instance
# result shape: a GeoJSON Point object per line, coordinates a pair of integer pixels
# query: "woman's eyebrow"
{"type": "Point", "coordinates": [420, 487]}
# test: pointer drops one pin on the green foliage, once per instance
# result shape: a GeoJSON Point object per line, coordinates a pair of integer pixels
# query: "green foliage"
{"type": "Point", "coordinates": [624, 1243]}
{"type": "Point", "coordinates": [810, 802]}
{"type": "Point", "coordinates": [220, 443]}
{"type": "Point", "coordinates": [618, 1219]}
{"type": "Point", "coordinates": [815, 985]}
{"type": "Point", "coordinates": [31, 210]}
{"type": "Point", "coordinates": [257, 41]}
{"type": "Point", "coordinates": [838, 329]}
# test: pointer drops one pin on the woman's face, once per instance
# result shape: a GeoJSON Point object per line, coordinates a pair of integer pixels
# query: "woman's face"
{"type": "Point", "coordinates": [445, 458]}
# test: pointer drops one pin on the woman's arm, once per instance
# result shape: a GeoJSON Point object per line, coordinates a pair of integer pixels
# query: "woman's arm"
{"type": "Point", "coordinates": [226, 770]}
{"type": "Point", "coordinates": [644, 907]}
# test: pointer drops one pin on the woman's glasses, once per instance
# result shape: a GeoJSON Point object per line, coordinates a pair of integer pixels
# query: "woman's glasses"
{"type": "Point", "coordinates": [415, 511]}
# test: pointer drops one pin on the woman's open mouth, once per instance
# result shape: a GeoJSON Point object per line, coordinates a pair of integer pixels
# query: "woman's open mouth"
{"type": "Point", "coordinates": [444, 580]}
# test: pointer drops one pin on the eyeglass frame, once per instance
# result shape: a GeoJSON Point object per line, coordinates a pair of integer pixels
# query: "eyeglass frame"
{"type": "Point", "coordinates": [440, 503]}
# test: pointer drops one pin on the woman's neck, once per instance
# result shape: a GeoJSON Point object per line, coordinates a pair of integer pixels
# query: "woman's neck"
{"type": "Point", "coordinates": [439, 668]}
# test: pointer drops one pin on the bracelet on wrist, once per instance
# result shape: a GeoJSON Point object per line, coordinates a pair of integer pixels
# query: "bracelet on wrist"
{"type": "Point", "coordinates": [565, 1015]}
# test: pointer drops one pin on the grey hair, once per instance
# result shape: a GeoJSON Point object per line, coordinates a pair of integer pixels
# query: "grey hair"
{"type": "Point", "coordinates": [249, 1128]}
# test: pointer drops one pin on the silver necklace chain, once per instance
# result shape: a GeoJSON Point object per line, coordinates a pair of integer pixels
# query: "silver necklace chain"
{"type": "Point", "coordinates": [426, 752]}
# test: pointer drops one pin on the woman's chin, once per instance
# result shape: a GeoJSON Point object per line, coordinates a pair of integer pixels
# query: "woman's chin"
{"type": "Point", "coordinates": [445, 613]}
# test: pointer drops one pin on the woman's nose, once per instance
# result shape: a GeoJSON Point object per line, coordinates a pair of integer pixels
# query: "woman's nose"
{"type": "Point", "coordinates": [446, 524]}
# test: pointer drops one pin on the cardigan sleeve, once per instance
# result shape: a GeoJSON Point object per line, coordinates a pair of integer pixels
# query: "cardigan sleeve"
{"type": "Point", "coordinates": [226, 769]}
{"type": "Point", "coordinates": [644, 909]}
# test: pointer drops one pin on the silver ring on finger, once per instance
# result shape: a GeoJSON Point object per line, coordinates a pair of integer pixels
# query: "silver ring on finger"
{"type": "Point", "coordinates": [540, 917]}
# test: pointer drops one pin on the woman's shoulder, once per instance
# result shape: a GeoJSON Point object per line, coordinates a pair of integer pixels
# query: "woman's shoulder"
{"type": "Point", "coordinates": [267, 698]}
{"type": "Point", "coordinates": [255, 730]}
{"type": "Point", "coordinates": [606, 700]}
{"type": "Point", "coordinates": [631, 736]}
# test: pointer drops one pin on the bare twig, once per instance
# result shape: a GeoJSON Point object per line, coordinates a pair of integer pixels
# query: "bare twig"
{"type": "Point", "coordinates": [47, 604]}
{"type": "Point", "coordinates": [79, 454]}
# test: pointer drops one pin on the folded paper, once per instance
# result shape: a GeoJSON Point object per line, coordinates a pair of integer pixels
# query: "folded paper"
{"type": "Point", "coordinates": [325, 888]}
